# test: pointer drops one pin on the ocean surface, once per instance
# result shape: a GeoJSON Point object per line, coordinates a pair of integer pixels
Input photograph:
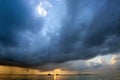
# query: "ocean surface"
{"type": "Point", "coordinates": [60, 77]}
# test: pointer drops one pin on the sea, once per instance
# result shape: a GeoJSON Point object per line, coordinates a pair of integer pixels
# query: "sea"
{"type": "Point", "coordinates": [59, 77]}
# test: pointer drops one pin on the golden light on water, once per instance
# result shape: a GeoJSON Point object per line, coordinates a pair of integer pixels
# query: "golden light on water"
{"type": "Point", "coordinates": [55, 77]}
{"type": "Point", "coordinates": [56, 72]}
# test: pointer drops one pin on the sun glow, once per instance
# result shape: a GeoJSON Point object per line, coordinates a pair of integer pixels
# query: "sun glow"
{"type": "Point", "coordinates": [19, 70]}
{"type": "Point", "coordinates": [113, 60]}
{"type": "Point", "coordinates": [57, 70]}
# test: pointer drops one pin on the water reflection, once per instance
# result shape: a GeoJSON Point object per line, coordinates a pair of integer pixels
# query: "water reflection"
{"type": "Point", "coordinates": [60, 77]}
{"type": "Point", "coordinates": [55, 77]}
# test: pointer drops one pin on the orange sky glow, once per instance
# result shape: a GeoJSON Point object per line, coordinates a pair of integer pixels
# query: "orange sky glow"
{"type": "Point", "coordinates": [19, 70]}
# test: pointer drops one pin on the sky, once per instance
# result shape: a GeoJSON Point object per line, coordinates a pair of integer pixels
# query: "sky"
{"type": "Point", "coordinates": [68, 34]}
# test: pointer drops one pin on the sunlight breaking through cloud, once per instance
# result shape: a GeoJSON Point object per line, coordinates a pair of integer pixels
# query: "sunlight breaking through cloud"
{"type": "Point", "coordinates": [43, 7]}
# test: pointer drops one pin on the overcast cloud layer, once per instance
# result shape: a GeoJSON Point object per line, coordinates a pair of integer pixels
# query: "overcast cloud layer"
{"type": "Point", "coordinates": [79, 29]}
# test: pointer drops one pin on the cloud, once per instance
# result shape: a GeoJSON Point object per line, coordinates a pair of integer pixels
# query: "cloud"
{"type": "Point", "coordinates": [83, 30]}
{"type": "Point", "coordinates": [17, 19]}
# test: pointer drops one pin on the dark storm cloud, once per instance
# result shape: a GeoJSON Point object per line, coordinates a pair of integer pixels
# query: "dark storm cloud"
{"type": "Point", "coordinates": [90, 28]}
{"type": "Point", "coordinates": [16, 16]}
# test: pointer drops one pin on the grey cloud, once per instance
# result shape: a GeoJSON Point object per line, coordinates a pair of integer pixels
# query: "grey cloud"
{"type": "Point", "coordinates": [89, 28]}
